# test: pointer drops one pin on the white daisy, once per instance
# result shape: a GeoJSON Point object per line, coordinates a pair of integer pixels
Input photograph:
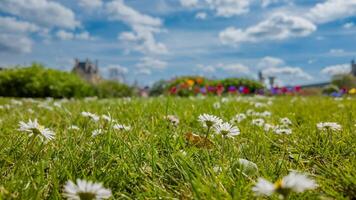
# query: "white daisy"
{"type": "Point", "coordinates": [209, 120]}
{"type": "Point", "coordinates": [226, 129]}
{"type": "Point", "coordinates": [74, 127]}
{"type": "Point", "coordinates": [92, 116]}
{"type": "Point", "coordinates": [122, 127]}
{"type": "Point", "coordinates": [107, 118]}
{"type": "Point", "coordinates": [267, 127]}
{"type": "Point", "coordinates": [172, 119]}
{"type": "Point", "coordinates": [238, 118]}
{"type": "Point", "coordinates": [250, 112]}
{"type": "Point", "coordinates": [286, 121]}
{"type": "Point", "coordinates": [258, 122]}
{"type": "Point", "coordinates": [324, 126]}
{"type": "Point", "coordinates": [217, 105]}
{"type": "Point", "coordinates": [85, 190]}
{"type": "Point", "coordinates": [298, 182]}
{"type": "Point", "coordinates": [265, 114]}
{"type": "Point", "coordinates": [263, 187]}
{"type": "Point", "coordinates": [293, 182]}
{"type": "Point", "coordinates": [96, 132]}
{"type": "Point", "coordinates": [33, 128]}
{"type": "Point", "coordinates": [280, 131]}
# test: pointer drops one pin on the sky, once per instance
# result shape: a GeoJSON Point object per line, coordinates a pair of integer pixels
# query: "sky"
{"type": "Point", "coordinates": [296, 41]}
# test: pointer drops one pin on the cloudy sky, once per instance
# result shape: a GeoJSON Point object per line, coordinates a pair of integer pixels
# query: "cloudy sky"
{"type": "Point", "coordinates": [298, 41]}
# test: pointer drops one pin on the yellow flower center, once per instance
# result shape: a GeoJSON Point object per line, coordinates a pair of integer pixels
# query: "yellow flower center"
{"type": "Point", "coordinates": [86, 196]}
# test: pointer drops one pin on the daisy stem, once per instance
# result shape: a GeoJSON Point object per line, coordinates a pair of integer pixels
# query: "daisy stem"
{"type": "Point", "coordinates": [223, 149]}
{"type": "Point", "coordinates": [207, 133]}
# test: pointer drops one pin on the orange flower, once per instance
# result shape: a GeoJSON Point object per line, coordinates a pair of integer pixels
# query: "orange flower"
{"type": "Point", "coordinates": [190, 82]}
{"type": "Point", "coordinates": [199, 80]}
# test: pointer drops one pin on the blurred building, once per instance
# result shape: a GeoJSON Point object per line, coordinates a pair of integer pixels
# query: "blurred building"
{"type": "Point", "coordinates": [87, 70]}
{"type": "Point", "coordinates": [353, 68]}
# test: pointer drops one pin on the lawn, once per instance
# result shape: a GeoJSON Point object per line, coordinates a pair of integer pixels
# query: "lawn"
{"type": "Point", "coordinates": [138, 153]}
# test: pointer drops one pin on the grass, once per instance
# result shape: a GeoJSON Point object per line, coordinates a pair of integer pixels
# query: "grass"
{"type": "Point", "coordinates": [153, 159]}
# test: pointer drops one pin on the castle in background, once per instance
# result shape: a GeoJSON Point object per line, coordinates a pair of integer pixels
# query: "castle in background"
{"type": "Point", "coordinates": [353, 68]}
{"type": "Point", "coordinates": [87, 70]}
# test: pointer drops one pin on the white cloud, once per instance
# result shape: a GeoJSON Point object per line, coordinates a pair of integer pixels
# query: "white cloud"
{"type": "Point", "coordinates": [272, 66]}
{"type": "Point", "coordinates": [205, 69]}
{"type": "Point", "coordinates": [143, 71]}
{"type": "Point", "coordinates": [277, 27]}
{"type": "Point", "coordinates": [144, 27]}
{"type": "Point", "coordinates": [151, 63]}
{"type": "Point", "coordinates": [11, 25]}
{"type": "Point", "coordinates": [336, 51]}
{"type": "Point", "coordinates": [332, 10]}
{"type": "Point", "coordinates": [14, 35]}
{"type": "Point", "coordinates": [236, 68]}
{"type": "Point", "coordinates": [269, 61]}
{"type": "Point", "coordinates": [118, 68]}
{"type": "Point", "coordinates": [349, 25]}
{"type": "Point", "coordinates": [189, 3]}
{"type": "Point", "coordinates": [118, 10]}
{"type": "Point", "coordinates": [66, 35]}
{"type": "Point", "coordinates": [42, 12]}
{"type": "Point", "coordinates": [142, 39]}
{"type": "Point", "coordinates": [229, 8]}
{"type": "Point", "coordinates": [201, 15]}
{"type": "Point", "coordinates": [83, 36]}
{"type": "Point", "coordinates": [15, 43]}
{"type": "Point", "coordinates": [90, 4]}
{"type": "Point", "coordinates": [266, 3]}
{"type": "Point", "coordinates": [336, 69]}
{"type": "Point", "coordinates": [287, 71]}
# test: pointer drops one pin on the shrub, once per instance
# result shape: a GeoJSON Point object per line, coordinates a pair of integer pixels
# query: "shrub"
{"type": "Point", "coordinates": [107, 89]}
{"type": "Point", "coordinates": [37, 81]}
{"type": "Point", "coordinates": [193, 85]}
{"type": "Point", "coordinates": [347, 81]}
{"type": "Point", "coordinates": [158, 88]}
{"type": "Point", "coordinates": [330, 89]}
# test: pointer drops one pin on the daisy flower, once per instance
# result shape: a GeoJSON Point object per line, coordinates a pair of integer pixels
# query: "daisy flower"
{"type": "Point", "coordinates": [172, 119]}
{"type": "Point", "coordinates": [238, 118]}
{"type": "Point", "coordinates": [74, 127]}
{"type": "Point", "coordinates": [35, 129]}
{"type": "Point", "coordinates": [293, 182]}
{"type": "Point", "coordinates": [107, 118]}
{"type": "Point", "coordinates": [209, 120]}
{"type": "Point", "coordinates": [96, 132]}
{"type": "Point", "coordinates": [324, 126]}
{"type": "Point", "coordinates": [226, 129]}
{"type": "Point", "coordinates": [298, 182]}
{"type": "Point", "coordinates": [121, 127]}
{"type": "Point", "coordinates": [92, 116]}
{"type": "Point", "coordinates": [258, 122]}
{"type": "Point", "coordinates": [250, 112]}
{"type": "Point", "coordinates": [266, 114]}
{"type": "Point", "coordinates": [263, 187]}
{"type": "Point", "coordinates": [85, 190]}
{"type": "Point", "coordinates": [217, 105]}
{"type": "Point", "coordinates": [281, 131]}
{"type": "Point", "coordinates": [268, 127]}
{"type": "Point", "coordinates": [285, 121]}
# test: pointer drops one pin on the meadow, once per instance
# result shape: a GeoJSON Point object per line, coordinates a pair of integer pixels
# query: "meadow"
{"type": "Point", "coordinates": [156, 148]}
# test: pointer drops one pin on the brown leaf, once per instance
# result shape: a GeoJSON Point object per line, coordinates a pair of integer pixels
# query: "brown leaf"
{"type": "Point", "coordinates": [198, 141]}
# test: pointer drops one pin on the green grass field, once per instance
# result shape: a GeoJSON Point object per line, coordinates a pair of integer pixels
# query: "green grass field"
{"type": "Point", "coordinates": [154, 160]}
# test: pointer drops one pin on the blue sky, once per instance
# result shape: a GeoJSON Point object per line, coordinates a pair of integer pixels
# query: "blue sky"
{"type": "Point", "coordinates": [298, 41]}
